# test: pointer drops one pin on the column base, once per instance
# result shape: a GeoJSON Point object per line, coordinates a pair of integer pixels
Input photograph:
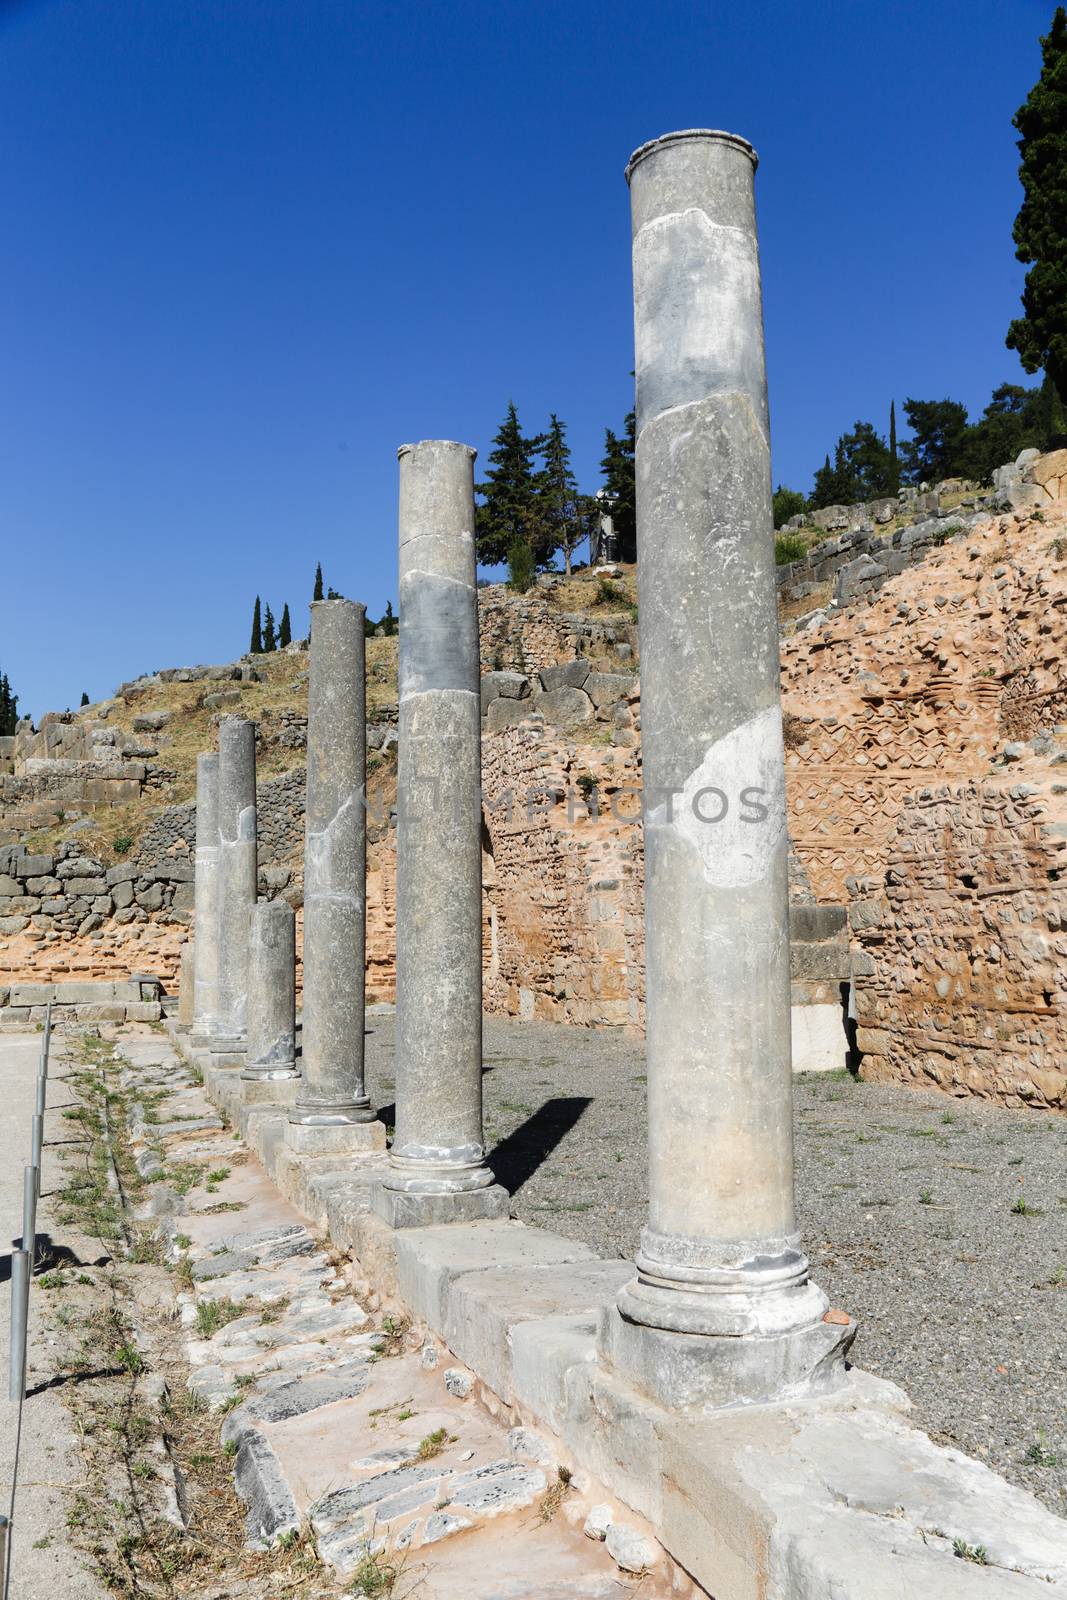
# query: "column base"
{"type": "Point", "coordinates": [286, 1073]}
{"type": "Point", "coordinates": [403, 1208]}
{"type": "Point", "coordinates": [334, 1138]}
{"type": "Point", "coordinates": [227, 1052]}
{"type": "Point", "coordinates": [789, 1359]}
{"type": "Point", "coordinates": [259, 1091]}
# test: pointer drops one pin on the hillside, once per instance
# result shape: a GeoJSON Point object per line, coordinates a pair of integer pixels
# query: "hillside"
{"type": "Point", "coordinates": [926, 722]}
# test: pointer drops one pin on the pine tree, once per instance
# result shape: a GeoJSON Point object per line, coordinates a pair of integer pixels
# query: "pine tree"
{"type": "Point", "coordinates": [84, 701]}
{"type": "Point", "coordinates": [935, 449]}
{"type": "Point", "coordinates": [285, 628]}
{"type": "Point", "coordinates": [564, 511]}
{"type": "Point", "coordinates": [256, 647]}
{"type": "Point", "coordinates": [508, 512]}
{"type": "Point", "coordinates": [1040, 232]}
{"type": "Point", "coordinates": [269, 642]}
{"type": "Point", "coordinates": [893, 429]}
{"type": "Point", "coordinates": [317, 595]}
{"type": "Point", "coordinates": [617, 467]}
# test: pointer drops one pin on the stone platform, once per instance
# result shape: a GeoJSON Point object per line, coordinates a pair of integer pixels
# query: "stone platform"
{"type": "Point", "coordinates": [839, 1495]}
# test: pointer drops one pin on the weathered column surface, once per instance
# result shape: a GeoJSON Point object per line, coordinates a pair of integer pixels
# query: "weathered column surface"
{"type": "Point", "coordinates": [186, 986]}
{"type": "Point", "coordinates": [271, 992]}
{"type": "Point", "coordinates": [237, 876]}
{"type": "Point", "coordinates": [206, 896]}
{"type": "Point", "coordinates": [333, 1094]}
{"type": "Point", "coordinates": [437, 1168]}
{"type": "Point", "coordinates": [721, 1254]}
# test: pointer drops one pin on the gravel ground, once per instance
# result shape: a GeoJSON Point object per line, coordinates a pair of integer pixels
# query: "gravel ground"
{"type": "Point", "coordinates": [906, 1204]}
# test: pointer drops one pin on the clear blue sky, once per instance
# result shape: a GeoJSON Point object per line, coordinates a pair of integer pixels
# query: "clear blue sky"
{"type": "Point", "coordinates": [251, 246]}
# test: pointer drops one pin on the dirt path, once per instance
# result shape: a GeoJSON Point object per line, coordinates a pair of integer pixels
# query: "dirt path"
{"type": "Point", "coordinates": [45, 1565]}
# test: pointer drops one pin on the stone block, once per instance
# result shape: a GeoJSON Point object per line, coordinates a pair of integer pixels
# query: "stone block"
{"type": "Point", "coordinates": [321, 1139]}
{"type": "Point", "coordinates": [37, 866]}
{"type": "Point", "coordinates": [122, 894]}
{"type": "Point", "coordinates": [9, 887]}
{"type": "Point", "coordinates": [604, 688]}
{"type": "Point", "coordinates": [506, 713]}
{"type": "Point", "coordinates": [403, 1210]}
{"type": "Point", "coordinates": [506, 685]}
{"type": "Point", "coordinates": [32, 994]}
{"type": "Point", "coordinates": [150, 898]}
{"type": "Point", "coordinates": [568, 675]}
{"type": "Point", "coordinates": [543, 1351]}
{"type": "Point", "coordinates": [484, 1307]}
{"type": "Point", "coordinates": [144, 1011]}
{"type": "Point", "coordinates": [429, 1260]}
{"type": "Point", "coordinates": [812, 924]}
{"type": "Point", "coordinates": [85, 886]}
{"type": "Point", "coordinates": [124, 872]}
{"type": "Point", "coordinates": [565, 707]}
{"type": "Point", "coordinates": [819, 962]}
{"type": "Point", "coordinates": [102, 1013]}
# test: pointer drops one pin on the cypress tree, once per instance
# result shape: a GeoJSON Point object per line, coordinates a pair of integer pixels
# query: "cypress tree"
{"type": "Point", "coordinates": [617, 468]}
{"type": "Point", "coordinates": [256, 647]}
{"type": "Point", "coordinates": [564, 511]}
{"type": "Point", "coordinates": [285, 628]}
{"type": "Point", "coordinates": [317, 594]}
{"type": "Point", "coordinates": [508, 512]}
{"type": "Point", "coordinates": [8, 707]}
{"type": "Point", "coordinates": [269, 642]}
{"type": "Point", "coordinates": [893, 429]}
{"type": "Point", "coordinates": [84, 701]}
{"type": "Point", "coordinates": [1040, 232]}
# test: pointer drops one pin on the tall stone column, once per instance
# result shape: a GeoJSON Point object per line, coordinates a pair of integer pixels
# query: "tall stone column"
{"type": "Point", "coordinates": [721, 1255]}
{"type": "Point", "coordinates": [237, 883]}
{"type": "Point", "coordinates": [206, 896]}
{"type": "Point", "coordinates": [438, 1171]}
{"type": "Point", "coordinates": [333, 1094]}
{"type": "Point", "coordinates": [271, 993]}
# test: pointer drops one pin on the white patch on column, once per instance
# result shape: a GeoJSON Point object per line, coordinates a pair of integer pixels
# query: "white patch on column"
{"type": "Point", "coordinates": [745, 772]}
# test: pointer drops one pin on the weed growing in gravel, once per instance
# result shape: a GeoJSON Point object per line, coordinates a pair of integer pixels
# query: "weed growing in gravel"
{"type": "Point", "coordinates": [1039, 1455]}
{"type": "Point", "coordinates": [926, 1197]}
{"type": "Point", "coordinates": [970, 1552]}
{"type": "Point", "coordinates": [1021, 1207]}
{"type": "Point", "coordinates": [211, 1315]}
{"type": "Point", "coordinates": [556, 1494]}
{"type": "Point", "coordinates": [432, 1445]}
{"type": "Point", "coordinates": [375, 1577]}
{"type": "Point", "coordinates": [273, 1310]}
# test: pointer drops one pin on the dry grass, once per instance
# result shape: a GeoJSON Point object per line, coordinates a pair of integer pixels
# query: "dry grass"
{"type": "Point", "coordinates": [581, 593]}
{"type": "Point", "coordinates": [194, 728]}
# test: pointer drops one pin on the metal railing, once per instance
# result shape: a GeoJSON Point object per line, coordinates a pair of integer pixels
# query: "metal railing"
{"type": "Point", "coordinates": [23, 1260]}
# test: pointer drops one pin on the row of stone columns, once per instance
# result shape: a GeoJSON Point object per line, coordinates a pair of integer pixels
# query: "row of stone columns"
{"type": "Point", "coordinates": [721, 1309]}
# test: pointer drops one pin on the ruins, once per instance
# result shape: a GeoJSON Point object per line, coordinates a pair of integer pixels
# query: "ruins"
{"type": "Point", "coordinates": [699, 1396]}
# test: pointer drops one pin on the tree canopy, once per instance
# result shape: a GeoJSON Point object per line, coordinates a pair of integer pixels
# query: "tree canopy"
{"type": "Point", "coordinates": [1040, 334]}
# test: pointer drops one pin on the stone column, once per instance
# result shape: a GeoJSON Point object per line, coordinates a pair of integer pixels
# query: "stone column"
{"type": "Point", "coordinates": [720, 1256]}
{"type": "Point", "coordinates": [333, 1094]}
{"type": "Point", "coordinates": [271, 992]}
{"type": "Point", "coordinates": [438, 1171]}
{"type": "Point", "coordinates": [206, 896]}
{"type": "Point", "coordinates": [237, 883]}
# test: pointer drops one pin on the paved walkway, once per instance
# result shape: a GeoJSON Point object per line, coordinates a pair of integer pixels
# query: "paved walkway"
{"type": "Point", "coordinates": [44, 1565]}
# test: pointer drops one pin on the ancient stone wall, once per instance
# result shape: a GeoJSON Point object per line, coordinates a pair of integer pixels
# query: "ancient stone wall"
{"type": "Point", "coordinates": [964, 943]}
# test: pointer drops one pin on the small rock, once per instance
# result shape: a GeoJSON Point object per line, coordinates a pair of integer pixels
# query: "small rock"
{"type": "Point", "coordinates": [458, 1382]}
{"type": "Point", "coordinates": [597, 1523]}
{"type": "Point", "coordinates": [630, 1550]}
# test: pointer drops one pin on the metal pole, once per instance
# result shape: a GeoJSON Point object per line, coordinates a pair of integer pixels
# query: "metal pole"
{"type": "Point", "coordinates": [20, 1309]}
{"type": "Point", "coordinates": [47, 1038]}
{"type": "Point", "coordinates": [42, 1092]}
{"type": "Point", "coordinates": [31, 1178]}
{"type": "Point", "coordinates": [37, 1124]}
{"type": "Point", "coordinates": [3, 1551]}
